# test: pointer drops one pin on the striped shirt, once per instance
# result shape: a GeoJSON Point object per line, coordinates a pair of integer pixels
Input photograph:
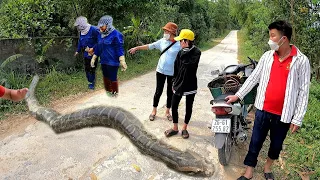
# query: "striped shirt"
{"type": "Point", "coordinates": [297, 87]}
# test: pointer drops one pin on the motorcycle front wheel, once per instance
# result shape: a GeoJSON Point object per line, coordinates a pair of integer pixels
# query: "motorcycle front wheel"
{"type": "Point", "coordinates": [224, 153]}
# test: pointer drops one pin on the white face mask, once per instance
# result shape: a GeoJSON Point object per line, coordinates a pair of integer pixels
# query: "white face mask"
{"type": "Point", "coordinates": [166, 36]}
{"type": "Point", "coordinates": [274, 45]}
{"type": "Point", "coordinates": [81, 28]}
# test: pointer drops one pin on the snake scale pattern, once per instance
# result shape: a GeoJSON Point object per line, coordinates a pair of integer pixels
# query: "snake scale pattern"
{"type": "Point", "coordinates": [126, 123]}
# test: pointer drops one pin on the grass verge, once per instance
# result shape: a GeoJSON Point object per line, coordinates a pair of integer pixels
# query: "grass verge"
{"type": "Point", "coordinates": [301, 154]}
{"type": "Point", "coordinates": [245, 49]}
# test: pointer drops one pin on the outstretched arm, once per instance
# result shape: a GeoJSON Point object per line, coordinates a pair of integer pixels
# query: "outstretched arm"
{"type": "Point", "coordinates": [154, 45]}
{"type": "Point", "coordinates": [134, 49]}
{"type": "Point", "coordinates": [12, 94]}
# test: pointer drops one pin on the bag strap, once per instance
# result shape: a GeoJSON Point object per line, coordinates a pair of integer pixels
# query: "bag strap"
{"type": "Point", "coordinates": [168, 47]}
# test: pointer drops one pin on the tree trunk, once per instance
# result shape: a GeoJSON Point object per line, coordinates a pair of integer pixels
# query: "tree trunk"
{"type": "Point", "coordinates": [292, 20]}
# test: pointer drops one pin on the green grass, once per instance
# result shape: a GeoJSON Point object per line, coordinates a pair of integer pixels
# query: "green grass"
{"type": "Point", "coordinates": [245, 49]}
{"type": "Point", "coordinates": [301, 154]}
{"type": "Point", "coordinates": [16, 82]}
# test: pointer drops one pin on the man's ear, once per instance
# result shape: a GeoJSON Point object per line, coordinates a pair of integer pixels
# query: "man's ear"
{"type": "Point", "coordinates": [285, 37]}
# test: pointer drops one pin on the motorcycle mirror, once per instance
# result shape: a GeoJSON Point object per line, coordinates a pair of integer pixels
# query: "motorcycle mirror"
{"type": "Point", "coordinates": [253, 62]}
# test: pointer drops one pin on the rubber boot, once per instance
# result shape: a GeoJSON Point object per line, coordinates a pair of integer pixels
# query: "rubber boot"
{"type": "Point", "coordinates": [107, 85]}
{"type": "Point", "coordinates": [115, 88]}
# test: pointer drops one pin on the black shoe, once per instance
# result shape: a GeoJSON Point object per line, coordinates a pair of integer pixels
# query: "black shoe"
{"type": "Point", "coordinates": [243, 178]}
{"type": "Point", "coordinates": [268, 176]}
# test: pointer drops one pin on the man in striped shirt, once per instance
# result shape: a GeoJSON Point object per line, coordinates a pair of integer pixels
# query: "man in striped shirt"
{"type": "Point", "coordinates": [283, 74]}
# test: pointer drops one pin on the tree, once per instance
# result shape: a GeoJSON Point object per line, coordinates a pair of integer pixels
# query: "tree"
{"type": "Point", "coordinates": [34, 18]}
{"type": "Point", "coordinates": [254, 17]}
{"type": "Point", "coordinates": [30, 18]}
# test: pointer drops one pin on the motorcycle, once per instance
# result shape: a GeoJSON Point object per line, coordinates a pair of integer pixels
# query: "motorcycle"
{"type": "Point", "coordinates": [230, 125]}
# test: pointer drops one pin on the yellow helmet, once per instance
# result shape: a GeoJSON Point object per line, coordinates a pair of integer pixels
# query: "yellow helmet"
{"type": "Point", "coordinates": [185, 34]}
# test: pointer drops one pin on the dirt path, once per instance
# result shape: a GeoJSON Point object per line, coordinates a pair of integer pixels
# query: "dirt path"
{"type": "Point", "coordinates": [31, 150]}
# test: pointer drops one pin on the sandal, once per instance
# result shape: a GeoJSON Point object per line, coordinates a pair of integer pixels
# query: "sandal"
{"type": "Point", "coordinates": [243, 178]}
{"type": "Point", "coordinates": [269, 176]}
{"type": "Point", "coordinates": [170, 132]}
{"type": "Point", "coordinates": [185, 134]}
{"type": "Point", "coordinates": [152, 117]}
{"type": "Point", "coordinates": [169, 117]}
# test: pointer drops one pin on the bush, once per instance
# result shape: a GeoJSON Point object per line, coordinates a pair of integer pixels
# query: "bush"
{"type": "Point", "coordinates": [302, 151]}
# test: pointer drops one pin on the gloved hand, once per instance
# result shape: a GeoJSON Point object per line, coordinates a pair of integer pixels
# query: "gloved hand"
{"type": "Point", "coordinates": [89, 50]}
{"type": "Point", "coordinates": [93, 59]}
{"type": "Point", "coordinates": [123, 63]}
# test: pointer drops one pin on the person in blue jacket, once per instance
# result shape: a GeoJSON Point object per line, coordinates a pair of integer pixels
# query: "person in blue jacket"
{"type": "Point", "coordinates": [111, 52]}
{"type": "Point", "coordinates": [88, 38]}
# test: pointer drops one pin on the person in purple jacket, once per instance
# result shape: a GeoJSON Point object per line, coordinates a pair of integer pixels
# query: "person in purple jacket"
{"type": "Point", "coordinates": [111, 52]}
{"type": "Point", "coordinates": [88, 38]}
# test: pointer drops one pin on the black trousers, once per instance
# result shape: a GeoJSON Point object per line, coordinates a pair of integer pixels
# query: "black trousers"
{"type": "Point", "coordinates": [161, 79]}
{"type": "Point", "coordinates": [87, 66]}
{"type": "Point", "coordinates": [265, 121]}
{"type": "Point", "coordinates": [175, 104]}
{"type": "Point", "coordinates": [90, 72]}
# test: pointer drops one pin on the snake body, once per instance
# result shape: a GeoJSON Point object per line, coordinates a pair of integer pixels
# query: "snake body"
{"type": "Point", "coordinates": [126, 123]}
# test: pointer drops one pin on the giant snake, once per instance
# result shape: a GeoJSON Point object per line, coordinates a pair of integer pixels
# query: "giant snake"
{"type": "Point", "coordinates": [126, 123]}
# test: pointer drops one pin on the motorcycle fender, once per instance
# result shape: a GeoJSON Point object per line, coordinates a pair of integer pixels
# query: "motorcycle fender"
{"type": "Point", "coordinates": [219, 139]}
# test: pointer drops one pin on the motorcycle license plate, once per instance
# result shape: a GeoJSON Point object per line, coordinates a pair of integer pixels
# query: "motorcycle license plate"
{"type": "Point", "coordinates": [221, 125]}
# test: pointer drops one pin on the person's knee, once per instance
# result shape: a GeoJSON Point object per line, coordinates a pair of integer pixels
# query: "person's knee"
{"type": "Point", "coordinates": [158, 92]}
{"type": "Point", "coordinates": [257, 141]}
{"type": "Point", "coordinates": [255, 145]}
{"type": "Point", "coordinates": [174, 107]}
{"type": "Point", "coordinates": [169, 94]}
{"type": "Point", "coordinates": [274, 150]}
{"type": "Point", "coordinates": [189, 108]}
